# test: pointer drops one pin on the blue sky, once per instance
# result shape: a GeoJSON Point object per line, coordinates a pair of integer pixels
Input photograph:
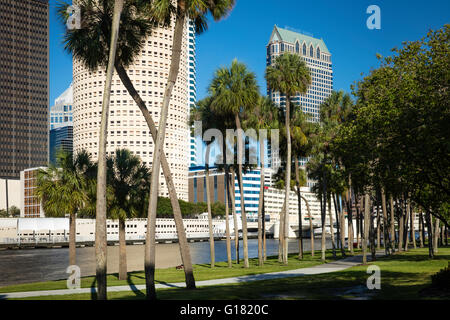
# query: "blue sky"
{"type": "Point", "coordinates": [245, 33]}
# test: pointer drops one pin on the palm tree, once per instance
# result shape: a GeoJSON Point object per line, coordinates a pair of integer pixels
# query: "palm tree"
{"type": "Point", "coordinates": [100, 225]}
{"type": "Point", "coordinates": [289, 76]}
{"type": "Point", "coordinates": [301, 131]}
{"type": "Point", "coordinates": [62, 190]}
{"type": "Point", "coordinates": [263, 117]}
{"type": "Point", "coordinates": [129, 180]}
{"type": "Point", "coordinates": [163, 10]}
{"type": "Point", "coordinates": [210, 120]}
{"type": "Point", "coordinates": [234, 91]}
{"type": "Point", "coordinates": [90, 48]}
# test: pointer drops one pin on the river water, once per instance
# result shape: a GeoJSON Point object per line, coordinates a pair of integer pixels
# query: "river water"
{"type": "Point", "coordinates": [35, 265]}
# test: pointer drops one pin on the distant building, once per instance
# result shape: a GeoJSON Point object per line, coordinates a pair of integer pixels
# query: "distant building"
{"type": "Point", "coordinates": [61, 112]}
{"type": "Point", "coordinates": [60, 138]}
{"type": "Point", "coordinates": [197, 185]}
{"type": "Point", "coordinates": [192, 152]}
{"type": "Point", "coordinates": [30, 207]}
{"type": "Point", "coordinates": [127, 128]}
{"type": "Point", "coordinates": [12, 197]}
{"type": "Point", "coordinates": [317, 58]}
{"type": "Point", "coordinates": [24, 85]}
{"type": "Point", "coordinates": [251, 181]}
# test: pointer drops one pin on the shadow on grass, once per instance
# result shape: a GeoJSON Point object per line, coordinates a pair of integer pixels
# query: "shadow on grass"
{"type": "Point", "coordinates": [133, 287]}
{"type": "Point", "coordinates": [94, 289]}
{"type": "Point", "coordinates": [405, 256]}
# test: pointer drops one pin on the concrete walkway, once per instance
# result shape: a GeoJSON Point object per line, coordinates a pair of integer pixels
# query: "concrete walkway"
{"type": "Point", "coordinates": [319, 269]}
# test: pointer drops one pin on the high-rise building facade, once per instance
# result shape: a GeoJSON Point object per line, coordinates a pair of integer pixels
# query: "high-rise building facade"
{"type": "Point", "coordinates": [61, 112]}
{"type": "Point", "coordinates": [60, 139]}
{"type": "Point", "coordinates": [127, 127]}
{"type": "Point", "coordinates": [24, 89]}
{"type": "Point", "coordinates": [318, 60]}
{"type": "Point", "coordinates": [192, 87]}
{"type": "Point", "coordinates": [61, 124]}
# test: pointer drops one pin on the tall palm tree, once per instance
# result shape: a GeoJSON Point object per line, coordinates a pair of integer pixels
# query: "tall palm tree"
{"type": "Point", "coordinates": [263, 117]}
{"type": "Point", "coordinates": [164, 10]}
{"type": "Point", "coordinates": [90, 48]}
{"type": "Point", "coordinates": [234, 91]}
{"type": "Point", "coordinates": [210, 120]}
{"type": "Point", "coordinates": [301, 132]}
{"type": "Point", "coordinates": [129, 179]}
{"type": "Point", "coordinates": [62, 190]}
{"type": "Point", "coordinates": [112, 38]}
{"type": "Point", "coordinates": [290, 76]}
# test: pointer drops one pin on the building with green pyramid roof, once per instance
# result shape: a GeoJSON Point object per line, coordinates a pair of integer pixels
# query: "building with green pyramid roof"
{"type": "Point", "coordinates": [318, 59]}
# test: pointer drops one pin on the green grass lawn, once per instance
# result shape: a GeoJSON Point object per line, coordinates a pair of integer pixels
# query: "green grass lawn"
{"type": "Point", "coordinates": [403, 276]}
{"type": "Point", "coordinates": [201, 272]}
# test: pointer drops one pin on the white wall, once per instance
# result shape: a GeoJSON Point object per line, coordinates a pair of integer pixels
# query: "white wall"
{"type": "Point", "coordinates": [13, 193]}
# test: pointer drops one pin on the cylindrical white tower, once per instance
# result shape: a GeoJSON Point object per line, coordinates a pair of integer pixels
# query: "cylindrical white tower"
{"type": "Point", "coordinates": [127, 127]}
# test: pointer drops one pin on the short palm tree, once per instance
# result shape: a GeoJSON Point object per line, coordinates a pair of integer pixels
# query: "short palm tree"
{"type": "Point", "coordinates": [234, 91]}
{"type": "Point", "coordinates": [62, 190]}
{"type": "Point", "coordinates": [129, 180]}
{"type": "Point", "coordinates": [289, 76]}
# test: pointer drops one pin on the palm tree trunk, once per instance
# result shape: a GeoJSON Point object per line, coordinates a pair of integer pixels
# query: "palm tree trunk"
{"type": "Point", "coordinates": [412, 227]}
{"type": "Point", "coordinates": [401, 226]}
{"type": "Point", "coordinates": [392, 223]}
{"type": "Point", "coordinates": [366, 227]}
{"type": "Point", "coordinates": [348, 197]}
{"type": "Point", "coordinates": [436, 235]}
{"type": "Point", "coordinates": [386, 242]}
{"type": "Point", "coordinates": [311, 229]}
{"type": "Point", "coordinates": [358, 225]}
{"type": "Point", "coordinates": [430, 234]}
{"type": "Point", "coordinates": [339, 224]}
{"type": "Point", "coordinates": [100, 221]}
{"type": "Point", "coordinates": [151, 227]}
{"type": "Point", "coordinates": [182, 239]}
{"type": "Point", "coordinates": [280, 233]}
{"type": "Point", "coordinates": [232, 188]}
{"type": "Point", "coordinates": [122, 251]}
{"type": "Point", "coordinates": [330, 214]}
{"type": "Point", "coordinates": [372, 232]}
{"type": "Point", "coordinates": [300, 224]}
{"type": "Point", "coordinates": [208, 201]}
{"type": "Point", "coordinates": [287, 180]}
{"type": "Point", "coordinates": [406, 231]}
{"type": "Point", "coordinates": [421, 230]}
{"type": "Point", "coordinates": [241, 189]}
{"type": "Point", "coordinates": [378, 226]}
{"type": "Point", "coordinates": [324, 216]}
{"type": "Point", "coordinates": [260, 205]}
{"type": "Point", "coordinates": [72, 239]}
{"type": "Point", "coordinates": [227, 218]}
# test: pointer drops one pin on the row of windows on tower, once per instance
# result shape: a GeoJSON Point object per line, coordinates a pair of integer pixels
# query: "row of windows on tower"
{"type": "Point", "coordinates": [285, 47]}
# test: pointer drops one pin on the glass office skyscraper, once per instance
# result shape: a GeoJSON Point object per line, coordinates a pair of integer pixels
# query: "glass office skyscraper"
{"type": "Point", "coordinates": [24, 90]}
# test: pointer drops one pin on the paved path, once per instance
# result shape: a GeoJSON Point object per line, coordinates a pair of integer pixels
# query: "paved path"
{"type": "Point", "coordinates": [319, 269]}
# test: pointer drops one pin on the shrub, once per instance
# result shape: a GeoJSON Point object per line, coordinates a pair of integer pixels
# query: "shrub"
{"type": "Point", "coordinates": [441, 279]}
